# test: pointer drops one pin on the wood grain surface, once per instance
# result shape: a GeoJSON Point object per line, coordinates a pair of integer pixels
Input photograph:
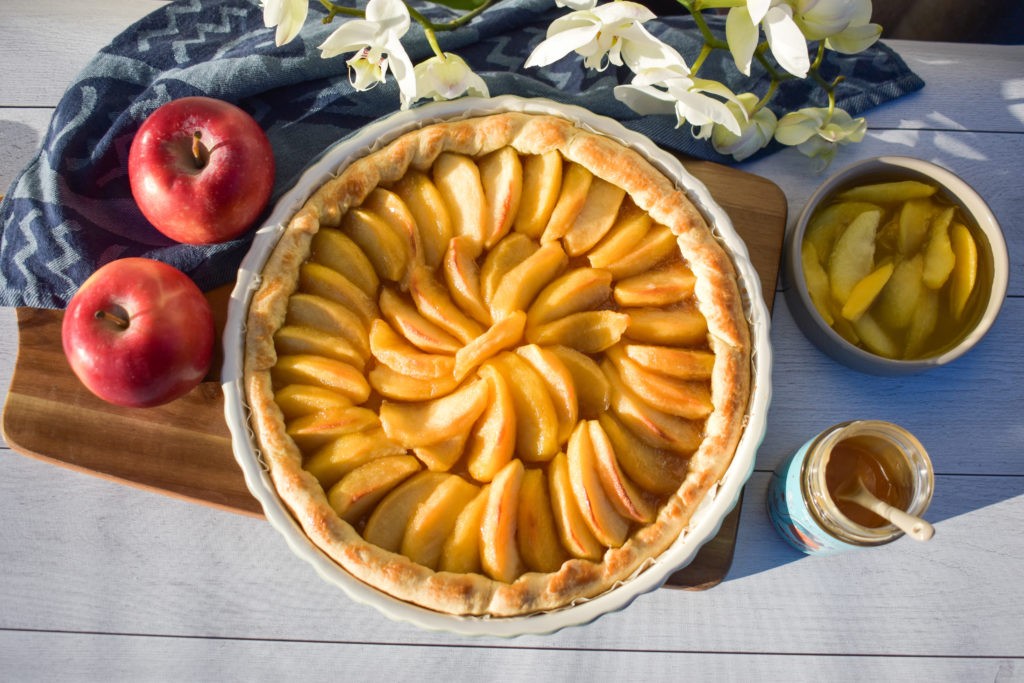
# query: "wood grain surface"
{"type": "Point", "coordinates": [183, 448]}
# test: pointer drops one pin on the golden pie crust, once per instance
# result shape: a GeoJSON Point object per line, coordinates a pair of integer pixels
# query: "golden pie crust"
{"type": "Point", "coordinates": [715, 294]}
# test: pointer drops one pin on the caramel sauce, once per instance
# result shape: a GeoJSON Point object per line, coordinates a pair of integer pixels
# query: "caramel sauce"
{"type": "Point", "coordinates": [881, 473]}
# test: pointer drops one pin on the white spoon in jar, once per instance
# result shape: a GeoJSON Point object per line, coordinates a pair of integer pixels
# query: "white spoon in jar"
{"type": "Point", "coordinates": [855, 492]}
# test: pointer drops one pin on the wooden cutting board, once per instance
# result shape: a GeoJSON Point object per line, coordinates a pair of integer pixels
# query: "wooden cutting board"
{"type": "Point", "coordinates": [183, 448]}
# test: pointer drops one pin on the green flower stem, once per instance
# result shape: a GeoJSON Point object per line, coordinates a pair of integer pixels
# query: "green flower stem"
{"type": "Point", "coordinates": [334, 10]}
{"type": "Point", "coordinates": [699, 62]}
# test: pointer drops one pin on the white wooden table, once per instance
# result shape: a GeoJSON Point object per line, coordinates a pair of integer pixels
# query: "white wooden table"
{"type": "Point", "coordinates": [101, 581]}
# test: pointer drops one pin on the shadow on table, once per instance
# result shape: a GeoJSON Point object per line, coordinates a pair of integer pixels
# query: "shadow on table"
{"type": "Point", "coordinates": [20, 143]}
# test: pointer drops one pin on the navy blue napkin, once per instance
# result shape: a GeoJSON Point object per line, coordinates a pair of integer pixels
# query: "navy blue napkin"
{"type": "Point", "coordinates": [71, 211]}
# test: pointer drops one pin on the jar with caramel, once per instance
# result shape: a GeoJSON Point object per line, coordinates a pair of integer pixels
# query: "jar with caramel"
{"type": "Point", "coordinates": [891, 463]}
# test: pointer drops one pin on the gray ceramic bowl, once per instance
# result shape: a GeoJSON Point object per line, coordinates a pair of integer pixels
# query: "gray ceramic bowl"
{"type": "Point", "coordinates": [992, 257]}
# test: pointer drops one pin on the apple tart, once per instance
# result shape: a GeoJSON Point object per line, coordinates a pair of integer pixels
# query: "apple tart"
{"type": "Point", "coordinates": [495, 365]}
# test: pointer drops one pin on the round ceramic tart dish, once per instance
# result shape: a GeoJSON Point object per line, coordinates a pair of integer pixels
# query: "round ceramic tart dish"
{"type": "Point", "coordinates": [494, 366]}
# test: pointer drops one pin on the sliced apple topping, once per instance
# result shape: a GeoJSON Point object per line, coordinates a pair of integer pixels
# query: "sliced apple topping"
{"type": "Point", "coordinates": [536, 533]}
{"type": "Point", "coordinates": [396, 213]}
{"type": "Point", "coordinates": [399, 387]}
{"type": "Point", "coordinates": [537, 422]}
{"type": "Point", "coordinates": [501, 174]}
{"type": "Point", "coordinates": [499, 553]}
{"type": "Point", "coordinates": [676, 327]}
{"type": "Point", "coordinates": [332, 248]}
{"type": "Point", "coordinates": [592, 389]}
{"type": "Point", "coordinates": [502, 335]}
{"type": "Point", "coordinates": [595, 218]}
{"type": "Point", "coordinates": [542, 183]}
{"type": "Point", "coordinates": [672, 361]}
{"type": "Point", "coordinates": [431, 422]}
{"type": "Point", "coordinates": [684, 398]}
{"type": "Point", "coordinates": [310, 432]}
{"type": "Point", "coordinates": [462, 275]}
{"type": "Point", "coordinates": [607, 525]}
{"type": "Point", "coordinates": [294, 340]}
{"type": "Point", "coordinates": [436, 305]}
{"type": "Point", "coordinates": [430, 212]}
{"type": "Point", "coordinates": [522, 283]}
{"type": "Point", "coordinates": [656, 470]}
{"type": "Point", "coordinates": [576, 182]}
{"type": "Point", "coordinates": [578, 290]}
{"type": "Point", "coordinates": [356, 494]}
{"type": "Point", "coordinates": [392, 349]}
{"type": "Point", "coordinates": [461, 550]}
{"type": "Point", "coordinates": [405, 319]}
{"type": "Point", "coordinates": [573, 530]}
{"type": "Point", "coordinates": [345, 453]}
{"type": "Point", "coordinates": [387, 524]}
{"type": "Point", "coordinates": [308, 310]}
{"type": "Point", "coordinates": [389, 252]}
{"type": "Point", "coordinates": [629, 228]}
{"type": "Point", "coordinates": [629, 500]}
{"type": "Point", "coordinates": [318, 371]}
{"type": "Point", "coordinates": [298, 400]}
{"type": "Point", "coordinates": [560, 386]}
{"type": "Point", "coordinates": [457, 178]}
{"type": "Point", "coordinates": [588, 331]}
{"type": "Point", "coordinates": [506, 255]}
{"type": "Point", "coordinates": [434, 520]}
{"type": "Point", "coordinates": [664, 286]}
{"type": "Point", "coordinates": [441, 457]}
{"type": "Point", "coordinates": [492, 441]}
{"type": "Point", "coordinates": [652, 250]}
{"type": "Point", "coordinates": [325, 282]}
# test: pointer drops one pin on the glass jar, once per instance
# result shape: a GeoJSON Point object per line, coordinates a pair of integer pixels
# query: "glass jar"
{"type": "Point", "coordinates": [802, 508]}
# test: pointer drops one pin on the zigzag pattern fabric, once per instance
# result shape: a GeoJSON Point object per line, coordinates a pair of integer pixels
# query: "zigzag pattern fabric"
{"type": "Point", "coordinates": [71, 210]}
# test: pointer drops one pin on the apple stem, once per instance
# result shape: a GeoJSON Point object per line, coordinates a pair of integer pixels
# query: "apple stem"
{"type": "Point", "coordinates": [199, 153]}
{"type": "Point", "coordinates": [116, 319]}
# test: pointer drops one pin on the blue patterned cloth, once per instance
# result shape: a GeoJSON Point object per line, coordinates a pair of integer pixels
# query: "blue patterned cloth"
{"type": "Point", "coordinates": [71, 210]}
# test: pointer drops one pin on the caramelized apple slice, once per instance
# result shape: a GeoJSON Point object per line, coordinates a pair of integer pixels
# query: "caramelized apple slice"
{"type": "Point", "coordinates": [434, 519]}
{"type": "Point", "coordinates": [398, 387]}
{"type": "Point", "coordinates": [656, 427]}
{"type": "Point", "coordinates": [430, 422]}
{"type": "Point", "coordinates": [325, 282]}
{"type": "Point", "coordinates": [667, 285]}
{"type": "Point", "coordinates": [674, 327]}
{"type": "Point", "coordinates": [536, 534]}
{"type": "Point", "coordinates": [578, 290]}
{"type": "Point", "coordinates": [653, 469]}
{"type": "Point", "coordinates": [390, 207]}
{"type": "Point", "coordinates": [560, 386]}
{"type": "Point", "coordinates": [817, 282]}
{"type": "Point", "coordinates": [596, 217]}
{"type": "Point", "coordinates": [827, 224]}
{"type": "Point", "coordinates": [889, 192]}
{"type": "Point", "coordinates": [428, 208]}
{"type": "Point", "coordinates": [334, 249]}
{"type": "Point", "coordinates": [683, 398]}
{"type": "Point", "coordinates": [914, 219]}
{"type": "Point", "coordinates": [542, 183]}
{"type": "Point", "coordinates": [588, 331]}
{"type": "Point", "coordinates": [629, 501]}
{"type": "Point", "coordinates": [460, 553]}
{"type": "Point", "coordinates": [520, 285]}
{"type": "Point", "coordinates": [674, 362]}
{"type": "Point", "coordinates": [625, 234]}
{"type": "Point", "coordinates": [419, 331]}
{"type": "Point", "coordinates": [576, 182]}
{"type": "Point", "coordinates": [344, 454]}
{"type": "Point", "coordinates": [501, 174]}
{"type": "Point", "coordinates": [607, 525]}
{"type": "Point", "coordinates": [875, 337]}
{"type": "Point", "coordinates": [505, 256]}
{"type": "Point", "coordinates": [897, 300]}
{"type": "Point", "coordinates": [321, 372]}
{"type": "Point", "coordinates": [492, 441]}
{"type": "Point", "coordinates": [965, 269]}
{"type": "Point", "coordinates": [308, 310]}
{"type": "Point", "coordinates": [573, 530]}
{"type": "Point", "coordinates": [657, 246]}
{"type": "Point", "coordinates": [292, 340]}
{"type": "Point", "coordinates": [537, 421]}
{"type": "Point", "coordinates": [866, 291]}
{"type": "Point", "coordinates": [441, 457]}
{"type": "Point", "coordinates": [297, 400]}
{"type": "Point", "coordinates": [462, 274]}
{"type": "Point", "coordinates": [592, 389]}
{"type": "Point", "coordinates": [389, 520]}
{"type": "Point", "coordinates": [458, 180]}
{"type": "Point", "coordinates": [922, 324]}
{"type": "Point", "coordinates": [391, 349]}
{"type": "Point", "coordinates": [310, 432]}
{"type": "Point", "coordinates": [434, 304]}
{"type": "Point", "coordinates": [501, 335]}
{"type": "Point", "coordinates": [499, 554]}
{"type": "Point", "coordinates": [357, 492]}
{"type": "Point", "coordinates": [387, 250]}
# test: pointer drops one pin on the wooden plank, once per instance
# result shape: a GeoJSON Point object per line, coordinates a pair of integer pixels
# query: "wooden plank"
{"type": "Point", "coordinates": [183, 448]}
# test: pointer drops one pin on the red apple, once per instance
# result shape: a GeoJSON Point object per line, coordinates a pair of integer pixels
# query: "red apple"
{"type": "Point", "coordinates": [201, 170]}
{"type": "Point", "coordinates": [138, 333]}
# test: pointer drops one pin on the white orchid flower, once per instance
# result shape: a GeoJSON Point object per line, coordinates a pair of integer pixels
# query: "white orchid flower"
{"type": "Point", "coordinates": [448, 77]}
{"type": "Point", "coordinates": [577, 4]}
{"type": "Point", "coordinates": [756, 130]}
{"type": "Point", "coordinates": [672, 90]}
{"type": "Point", "coordinates": [859, 34]}
{"type": "Point", "coordinates": [607, 34]}
{"type": "Point", "coordinates": [786, 41]}
{"type": "Point", "coordinates": [817, 133]}
{"type": "Point", "coordinates": [377, 40]}
{"type": "Point", "coordinates": [287, 15]}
